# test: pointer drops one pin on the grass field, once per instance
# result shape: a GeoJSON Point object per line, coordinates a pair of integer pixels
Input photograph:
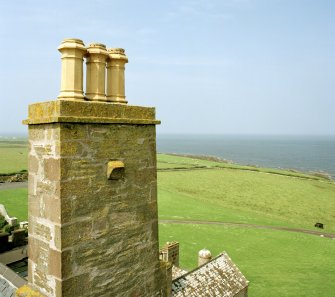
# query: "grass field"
{"type": "Point", "coordinates": [16, 202]}
{"type": "Point", "coordinates": [166, 161]}
{"type": "Point", "coordinates": [277, 263]}
{"type": "Point", "coordinates": [234, 195]}
{"type": "Point", "coordinates": [13, 156]}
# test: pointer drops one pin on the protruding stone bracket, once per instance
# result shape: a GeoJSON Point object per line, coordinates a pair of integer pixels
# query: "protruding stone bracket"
{"type": "Point", "coordinates": [115, 170]}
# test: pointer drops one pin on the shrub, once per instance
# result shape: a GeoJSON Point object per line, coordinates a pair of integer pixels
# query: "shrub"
{"type": "Point", "coordinates": [2, 222]}
{"type": "Point", "coordinates": [9, 229]}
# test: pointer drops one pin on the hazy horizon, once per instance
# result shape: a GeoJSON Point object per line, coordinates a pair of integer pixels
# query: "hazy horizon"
{"type": "Point", "coordinates": [25, 134]}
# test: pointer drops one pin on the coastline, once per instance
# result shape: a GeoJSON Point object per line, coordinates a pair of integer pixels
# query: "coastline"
{"type": "Point", "coordinates": [314, 155]}
{"type": "Point", "coordinates": [308, 154]}
{"type": "Point", "coordinates": [274, 170]}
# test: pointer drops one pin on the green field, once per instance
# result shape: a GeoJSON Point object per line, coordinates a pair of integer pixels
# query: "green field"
{"type": "Point", "coordinates": [234, 195]}
{"type": "Point", "coordinates": [13, 156]}
{"type": "Point", "coordinates": [16, 202]}
{"type": "Point", "coordinates": [277, 263]}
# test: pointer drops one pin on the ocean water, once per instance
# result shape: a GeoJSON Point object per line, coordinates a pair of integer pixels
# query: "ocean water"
{"type": "Point", "coordinates": [305, 153]}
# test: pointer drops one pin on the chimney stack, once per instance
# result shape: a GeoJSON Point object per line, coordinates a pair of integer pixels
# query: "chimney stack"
{"type": "Point", "coordinates": [93, 224]}
{"type": "Point", "coordinates": [170, 253]}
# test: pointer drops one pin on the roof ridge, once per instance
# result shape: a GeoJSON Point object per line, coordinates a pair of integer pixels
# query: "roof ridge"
{"type": "Point", "coordinates": [198, 267]}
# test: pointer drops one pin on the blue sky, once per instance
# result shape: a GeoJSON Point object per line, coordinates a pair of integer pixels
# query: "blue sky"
{"type": "Point", "coordinates": [218, 67]}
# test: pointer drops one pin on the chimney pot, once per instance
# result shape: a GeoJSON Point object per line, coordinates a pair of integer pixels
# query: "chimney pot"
{"type": "Point", "coordinates": [73, 51]}
{"type": "Point", "coordinates": [95, 72]}
{"type": "Point", "coordinates": [204, 256]}
{"type": "Point", "coordinates": [115, 75]}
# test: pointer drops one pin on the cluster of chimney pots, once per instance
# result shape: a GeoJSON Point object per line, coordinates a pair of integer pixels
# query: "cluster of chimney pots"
{"type": "Point", "coordinates": [104, 72]}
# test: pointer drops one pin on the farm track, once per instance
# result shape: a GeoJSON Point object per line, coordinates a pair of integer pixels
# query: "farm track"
{"type": "Point", "coordinates": [298, 230]}
{"type": "Point", "coordinates": [15, 185]}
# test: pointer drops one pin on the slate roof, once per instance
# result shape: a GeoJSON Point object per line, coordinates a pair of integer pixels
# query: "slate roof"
{"type": "Point", "coordinates": [219, 277]}
{"type": "Point", "coordinates": [177, 272]}
{"type": "Point", "coordinates": [9, 281]}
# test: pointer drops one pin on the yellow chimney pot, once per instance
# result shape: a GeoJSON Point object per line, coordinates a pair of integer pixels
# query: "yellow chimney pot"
{"type": "Point", "coordinates": [95, 72]}
{"type": "Point", "coordinates": [115, 75]}
{"type": "Point", "coordinates": [73, 51]}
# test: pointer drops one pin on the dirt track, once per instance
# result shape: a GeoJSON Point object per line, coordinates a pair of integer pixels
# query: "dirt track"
{"type": "Point", "coordinates": [298, 230]}
{"type": "Point", "coordinates": [18, 185]}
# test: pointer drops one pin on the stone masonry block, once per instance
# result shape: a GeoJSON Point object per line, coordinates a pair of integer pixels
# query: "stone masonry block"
{"type": "Point", "coordinates": [52, 208]}
{"type": "Point", "coordinates": [69, 132]}
{"type": "Point", "coordinates": [33, 164]}
{"type": "Point", "coordinates": [52, 169]}
{"type": "Point", "coordinates": [55, 263]}
{"type": "Point", "coordinates": [79, 232]}
{"type": "Point", "coordinates": [77, 286]}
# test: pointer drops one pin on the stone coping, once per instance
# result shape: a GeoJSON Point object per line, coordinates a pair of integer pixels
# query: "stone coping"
{"type": "Point", "coordinates": [11, 276]}
{"type": "Point", "coordinates": [80, 111]}
{"type": "Point", "coordinates": [14, 255]}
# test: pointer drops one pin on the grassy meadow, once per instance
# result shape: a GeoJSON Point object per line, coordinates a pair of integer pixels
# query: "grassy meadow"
{"type": "Point", "coordinates": [277, 263]}
{"type": "Point", "coordinates": [222, 193]}
{"type": "Point", "coordinates": [13, 156]}
{"type": "Point", "coordinates": [16, 202]}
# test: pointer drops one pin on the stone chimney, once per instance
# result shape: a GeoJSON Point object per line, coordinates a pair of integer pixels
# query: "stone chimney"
{"type": "Point", "coordinates": [204, 256]}
{"type": "Point", "coordinates": [93, 228]}
{"type": "Point", "coordinates": [169, 256]}
{"type": "Point", "coordinates": [170, 253]}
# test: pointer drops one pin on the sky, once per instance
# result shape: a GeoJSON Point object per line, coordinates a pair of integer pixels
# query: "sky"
{"type": "Point", "coordinates": [208, 66]}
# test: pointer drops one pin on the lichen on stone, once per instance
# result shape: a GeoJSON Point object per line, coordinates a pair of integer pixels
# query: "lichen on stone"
{"type": "Point", "coordinates": [26, 291]}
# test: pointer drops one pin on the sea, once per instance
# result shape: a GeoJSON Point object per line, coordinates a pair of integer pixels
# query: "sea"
{"type": "Point", "coordinates": [303, 153]}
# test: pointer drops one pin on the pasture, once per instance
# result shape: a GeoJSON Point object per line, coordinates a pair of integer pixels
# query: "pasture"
{"type": "Point", "coordinates": [277, 263]}
{"type": "Point", "coordinates": [245, 196]}
{"type": "Point", "coordinates": [13, 156]}
{"type": "Point", "coordinates": [16, 202]}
